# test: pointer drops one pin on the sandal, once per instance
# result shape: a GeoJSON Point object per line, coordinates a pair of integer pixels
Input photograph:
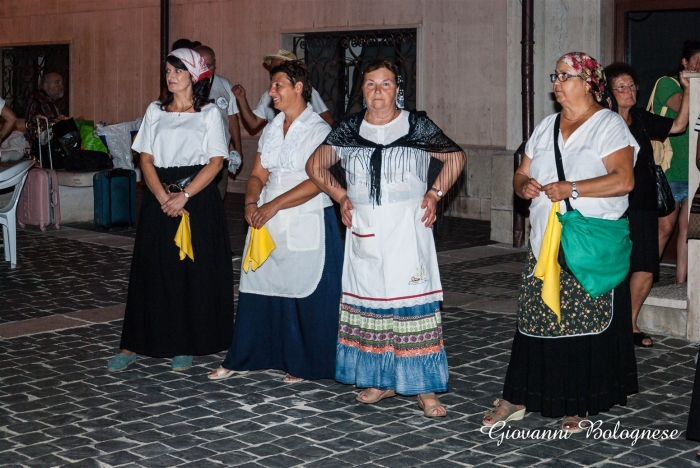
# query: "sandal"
{"type": "Point", "coordinates": [508, 412]}
{"type": "Point", "coordinates": [370, 400]}
{"type": "Point", "coordinates": [571, 421]}
{"type": "Point", "coordinates": [429, 410]}
{"type": "Point", "coordinates": [221, 373]}
{"type": "Point", "coordinates": [291, 379]}
{"type": "Point", "coordinates": [639, 338]}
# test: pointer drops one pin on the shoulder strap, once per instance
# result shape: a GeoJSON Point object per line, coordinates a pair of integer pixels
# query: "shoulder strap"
{"type": "Point", "coordinates": [557, 159]}
{"type": "Point", "coordinates": [650, 103]}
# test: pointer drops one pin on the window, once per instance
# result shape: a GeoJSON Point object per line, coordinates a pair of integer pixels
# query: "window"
{"type": "Point", "coordinates": [336, 59]}
{"type": "Point", "coordinates": [22, 67]}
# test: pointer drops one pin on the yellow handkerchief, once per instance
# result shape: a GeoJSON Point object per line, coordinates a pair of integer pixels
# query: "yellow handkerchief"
{"type": "Point", "coordinates": [260, 247]}
{"type": "Point", "coordinates": [183, 238]}
{"type": "Point", "coordinates": [548, 268]}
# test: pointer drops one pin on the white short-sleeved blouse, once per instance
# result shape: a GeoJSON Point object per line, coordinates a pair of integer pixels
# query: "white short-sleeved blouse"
{"type": "Point", "coordinates": [182, 139]}
{"type": "Point", "coordinates": [601, 135]}
{"type": "Point", "coordinates": [285, 156]}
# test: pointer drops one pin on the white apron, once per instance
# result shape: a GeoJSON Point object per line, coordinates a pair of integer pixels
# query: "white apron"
{"type": "Point", "coordinates": [295, 267]}
{"type": "Point", "coordinates": [390, 257]}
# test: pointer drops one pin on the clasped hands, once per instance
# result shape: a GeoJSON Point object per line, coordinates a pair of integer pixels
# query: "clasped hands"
{"type": "Point", "coordinates": [257, 216]}
{"type": "Point", "coordinates": [556, 191]}
{"type": "Point", "coordinates": [173, 205]}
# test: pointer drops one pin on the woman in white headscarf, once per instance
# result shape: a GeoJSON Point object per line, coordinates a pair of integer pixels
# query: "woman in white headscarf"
{"type": "Point", "coordinates": [180, 301]}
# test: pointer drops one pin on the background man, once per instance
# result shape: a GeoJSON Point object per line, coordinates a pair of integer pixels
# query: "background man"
{"type": "Point", "coordinates": [223, 98]}
{"type": "Point", "coordinates": [256, 119]}
{"type": "Point", "coordinates": [43, 101]}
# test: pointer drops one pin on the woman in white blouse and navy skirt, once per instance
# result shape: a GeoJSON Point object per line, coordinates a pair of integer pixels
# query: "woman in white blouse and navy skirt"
{"type": "Point", "coordinates": [180, 308]}
{"type": "Point", "coordinates": [288, 307]}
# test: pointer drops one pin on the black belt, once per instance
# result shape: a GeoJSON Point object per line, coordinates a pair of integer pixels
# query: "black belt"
{"type": "Point", "coordinates": [178, 186]}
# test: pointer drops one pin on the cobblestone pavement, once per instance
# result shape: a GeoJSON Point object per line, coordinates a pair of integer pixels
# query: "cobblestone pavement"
{"type": "Point", "coordinates": [60, 407]}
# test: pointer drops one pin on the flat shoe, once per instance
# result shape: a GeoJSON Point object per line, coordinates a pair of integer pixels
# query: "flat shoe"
{"type": "Point", "coordinates": [429, 409]}
{"type": "Point", "coordinates": [181, 363]}
{"type": "Point", "coordinates": [222, 373]}
{"type": "Point", "coordinates": [639, 338]}
{"type": "Point", "coordinates": [372, 400]}
{"type": "Point", "coordinates": [120, 362]}
{"type": "Point", "coordinates": [512, 413]}
{"type": "Point", "coordinates": [572, 420]}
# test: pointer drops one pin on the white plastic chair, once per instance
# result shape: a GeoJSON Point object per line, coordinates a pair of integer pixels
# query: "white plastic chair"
{"type": "Point", "coordinates": [13, 176]}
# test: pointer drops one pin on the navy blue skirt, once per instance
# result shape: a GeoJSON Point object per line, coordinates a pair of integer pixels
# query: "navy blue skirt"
{"type": "Point", "coordinates": [295, 335]}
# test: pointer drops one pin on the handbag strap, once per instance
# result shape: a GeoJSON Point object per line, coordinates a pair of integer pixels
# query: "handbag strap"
{"type": "Point", "coordinates": [557, 159]}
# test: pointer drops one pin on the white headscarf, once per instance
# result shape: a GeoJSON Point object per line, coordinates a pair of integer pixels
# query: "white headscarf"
{"type": "Point", "coordinates": [194, 63]}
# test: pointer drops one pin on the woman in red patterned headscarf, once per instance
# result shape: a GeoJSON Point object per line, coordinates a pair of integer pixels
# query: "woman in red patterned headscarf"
{"type": "Point", "coordinates": [572, 355]}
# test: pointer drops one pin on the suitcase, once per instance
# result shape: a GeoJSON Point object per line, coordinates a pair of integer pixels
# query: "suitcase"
{"type": "Point", "coordinates": [115, 197]}
{"type": "Point", "coordinates": [39, 204]}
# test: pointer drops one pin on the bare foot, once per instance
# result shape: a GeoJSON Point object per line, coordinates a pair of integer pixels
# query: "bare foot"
{"type": "Point", "coordinates": [428, 400]}
{"type": "Point", "coordinates": [369, 394]}
{"type": "Point", "coordinates": [291, 379]}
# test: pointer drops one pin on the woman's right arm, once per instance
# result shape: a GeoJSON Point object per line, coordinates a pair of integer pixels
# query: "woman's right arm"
{"type": "Point", "coordinates": [257, 180]}
{"type": "Point", "coordinates": [318, 168]}
{"type": "Point", "coordinates": [151, 177]}
{"type": "Point", "coordinates": [523, 185]}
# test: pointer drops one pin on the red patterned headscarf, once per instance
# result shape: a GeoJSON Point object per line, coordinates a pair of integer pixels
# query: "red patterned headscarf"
{"type": "Point", "coordinates": [589, 70]}
{"type": "Point", "coordinates": [194, 63]}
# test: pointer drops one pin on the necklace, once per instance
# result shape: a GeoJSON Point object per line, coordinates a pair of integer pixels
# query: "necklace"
{"type": "Point", "coordinates": [580, 116]}
{"type": "Point", "coordinates": [185, 110]}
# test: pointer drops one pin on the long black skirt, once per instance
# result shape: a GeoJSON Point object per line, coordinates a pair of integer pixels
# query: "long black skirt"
{"type": "Point", "coordinates": [295, 335]}
{"type": "Point", "coordinates": [693, 430]}
{"type": "Point", "coordinates": [579, 375]}
{"type": "Point", "coordinates": [180, 307]}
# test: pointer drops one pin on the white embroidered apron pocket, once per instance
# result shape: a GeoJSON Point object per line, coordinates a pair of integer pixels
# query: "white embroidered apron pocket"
{"type": "Point", "coordinates": [304, 232]}
{"type": "Point", "coordinates": [364, 243]}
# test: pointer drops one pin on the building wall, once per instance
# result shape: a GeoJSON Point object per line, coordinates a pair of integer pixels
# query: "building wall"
{"type": "Point", "coordinates": [461, 57]}
{"type": "Point", "coordinates": [462, 47]}
{"type": "Point", "coordinates": [114, 49]}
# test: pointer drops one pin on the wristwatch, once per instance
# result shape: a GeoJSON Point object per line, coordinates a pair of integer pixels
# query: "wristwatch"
{"type": "Point", "coordinates": [187, 195]}
{"type": "Point", "coordinates": [438, 191]}
{"type": "Point", "coordinates": [574, 192]}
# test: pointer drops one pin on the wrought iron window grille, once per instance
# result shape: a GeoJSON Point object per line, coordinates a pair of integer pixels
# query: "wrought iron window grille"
{"type": "Point", "coordinates": [23, 66]}
{"type": "Point", "coordinates": [336, 59]}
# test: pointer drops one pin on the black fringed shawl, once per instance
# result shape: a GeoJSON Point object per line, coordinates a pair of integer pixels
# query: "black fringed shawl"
{"type": "Point", "coordinates": [423, 137]}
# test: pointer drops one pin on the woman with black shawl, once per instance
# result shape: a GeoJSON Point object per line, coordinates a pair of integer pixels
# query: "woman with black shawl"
{"type": "Point", "coordinates": [390, 334]}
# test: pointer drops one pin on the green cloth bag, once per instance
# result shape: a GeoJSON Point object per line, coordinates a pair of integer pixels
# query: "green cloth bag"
{"type": "Point", "coordinates": [597, 251]}
{"type": "Point", "coordinates": [90, 141]}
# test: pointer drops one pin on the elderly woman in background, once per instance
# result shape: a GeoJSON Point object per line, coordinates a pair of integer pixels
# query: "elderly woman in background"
{"type": "Point", "coordinates": [390, 337]}
{"type": "Point", "coordinates": [643, 212]}
{"type": "Point", "coordinates": [177, 307]}
{"type": "Point", "coordinates": [572, 375]}
{"type": "Point", "coordinates": [670, 95]}
{"type": "Point", "coordinates": [287, 315]}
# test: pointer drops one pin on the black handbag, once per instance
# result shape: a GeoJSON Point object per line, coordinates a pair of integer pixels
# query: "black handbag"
{"type": "Point", "coordinates": [664, 197]}
{"type": "Point", "coordinates": [67, 135]}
